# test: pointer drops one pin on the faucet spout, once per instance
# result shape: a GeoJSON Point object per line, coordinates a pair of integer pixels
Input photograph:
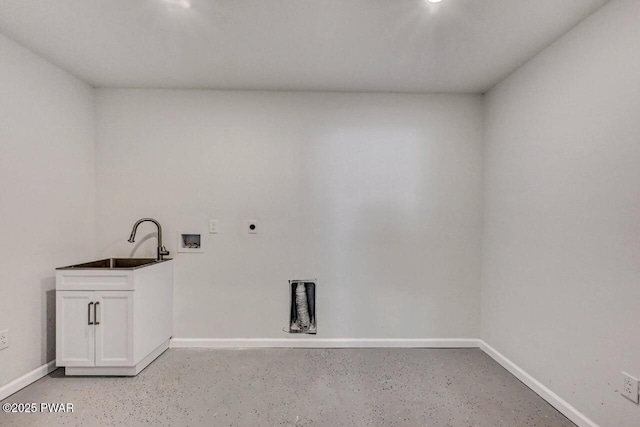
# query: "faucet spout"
{"type": "Point", "coordinates": [162, 251]}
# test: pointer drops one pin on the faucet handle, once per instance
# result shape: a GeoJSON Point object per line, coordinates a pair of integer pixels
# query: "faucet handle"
{"type": "Point", "coordinates": [164, 251]}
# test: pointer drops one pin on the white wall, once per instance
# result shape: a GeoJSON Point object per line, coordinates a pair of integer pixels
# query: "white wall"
{"type": "Point", "coordinates": [47, 196]}
{"type": "Point", "coordinates": [377, 196]}
{"type": "Point", "coordinates": [561, 270]}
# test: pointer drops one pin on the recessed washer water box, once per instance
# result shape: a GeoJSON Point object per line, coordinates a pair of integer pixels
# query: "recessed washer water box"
{"type": "Point", "coordinates": [190, 241]}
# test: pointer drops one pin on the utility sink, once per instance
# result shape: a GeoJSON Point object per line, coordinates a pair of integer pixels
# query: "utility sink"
{"type": "Point", "coordinates": [114, 264]}
{"type": "Point", "coordinates": [113, 316]}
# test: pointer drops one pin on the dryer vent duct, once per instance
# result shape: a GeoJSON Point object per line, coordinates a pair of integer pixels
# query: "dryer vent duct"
{"type": "Point", "coordinates": [303, 307]}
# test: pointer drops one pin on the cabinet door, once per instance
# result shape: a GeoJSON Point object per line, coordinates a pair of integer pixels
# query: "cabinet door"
{"type": "Point", "coordinates": [74, 334]}
{"type": "Point", "coordinates": [114, 328]}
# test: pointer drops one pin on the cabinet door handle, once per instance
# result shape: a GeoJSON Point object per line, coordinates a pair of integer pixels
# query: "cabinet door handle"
{"type": "Point", "coordinates": [89, 313]}
{"type": "Point", "coordinates": [95, 313]}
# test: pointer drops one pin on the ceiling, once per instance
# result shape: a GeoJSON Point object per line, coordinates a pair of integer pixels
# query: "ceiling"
{"type": "Point", "coordinates": [338, 45]}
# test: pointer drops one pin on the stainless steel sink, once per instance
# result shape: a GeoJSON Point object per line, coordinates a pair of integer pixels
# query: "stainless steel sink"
{"type": "Point", "coordinates": [114, 263]}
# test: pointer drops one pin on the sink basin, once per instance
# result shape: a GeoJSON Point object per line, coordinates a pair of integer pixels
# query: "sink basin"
{"type": "Point", "coordinates": [113, 274]}
{"type": "Point", "coordinates": [114, 264]}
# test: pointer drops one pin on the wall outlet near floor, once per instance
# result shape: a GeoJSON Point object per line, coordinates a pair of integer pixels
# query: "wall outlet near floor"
{"type": "Point", "coordinates": [4, 339]}
{"type": "Point", "coordinates": [630, 388]}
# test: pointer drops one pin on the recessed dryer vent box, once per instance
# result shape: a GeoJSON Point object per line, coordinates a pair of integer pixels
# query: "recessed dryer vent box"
{"type": "Point", "coordinates": [190, 242]}
{"type": "Point", "coordinates": [303, 307]}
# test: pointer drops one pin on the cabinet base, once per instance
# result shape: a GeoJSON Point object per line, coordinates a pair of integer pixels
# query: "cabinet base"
{"type": "Point", "coordinates": [117, 371]}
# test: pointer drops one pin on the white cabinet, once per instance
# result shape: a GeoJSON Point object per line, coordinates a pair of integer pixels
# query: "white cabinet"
{"type": "Point", "coordinates": [96, 328]}
{"type": "Point", "coordinates": [113, 322]}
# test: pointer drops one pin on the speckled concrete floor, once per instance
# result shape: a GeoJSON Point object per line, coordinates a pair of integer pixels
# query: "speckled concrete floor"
{"type": "Point", "coordinates": [297, 387]}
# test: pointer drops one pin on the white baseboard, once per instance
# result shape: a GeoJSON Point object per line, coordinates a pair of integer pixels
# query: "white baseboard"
{"type": "Point", "coordinates": [323, 343]}
{"type": "Point", "coordinates": [553, 399]}
{"type": "Point", "coordinates": [31, 377]}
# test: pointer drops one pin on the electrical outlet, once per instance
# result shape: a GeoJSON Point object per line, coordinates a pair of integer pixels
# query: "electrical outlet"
{"type": "Point", "coordinates": [4, 339]}
{"type": "Point", "coordinates": [213, 226]}
{"type": "Point", "coordinates": [630, 388]}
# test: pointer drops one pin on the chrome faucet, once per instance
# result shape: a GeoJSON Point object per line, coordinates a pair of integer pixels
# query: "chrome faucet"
{"type": "Point", "coordinates": [162, 251]}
